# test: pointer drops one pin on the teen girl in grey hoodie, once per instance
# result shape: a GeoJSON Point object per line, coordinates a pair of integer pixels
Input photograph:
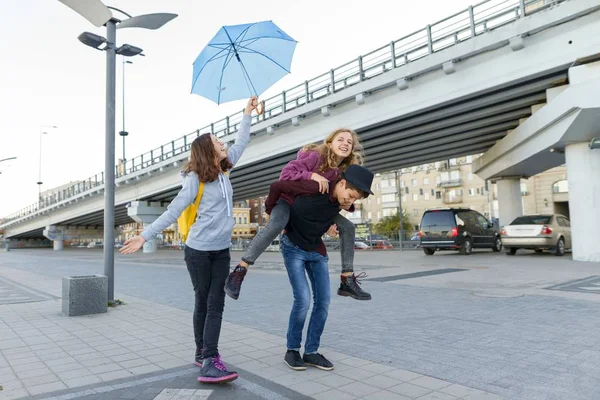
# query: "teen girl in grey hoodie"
{"type": "Point", "coordinates": [207, 245]}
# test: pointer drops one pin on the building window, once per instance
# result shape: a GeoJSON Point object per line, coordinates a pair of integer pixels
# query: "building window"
{"type": "Point", "coordinates": [438, 179]}
{"type": "Point", "coordinates": [388, 198]}
{"type": "Point", "coordinates": [421, 192]}
{"type": "Point", "coordinates": [425, 181]}
{"type": "Point", "coordinates": [245, 220]}
{"type": "Point", "coordinates": [560, 187]}
{"type": "Point", "coordinates": [378, 216]}
{"type": "Point", "coordinates": [415, 197]}
{"type": "Point", "coordinates": [438, 195]}
{"type": "Point", "coordinates": [384, 184]}
{"type": "Point", "coordinates": [387, 212]}
{"type": "Point", "coordinates": [471, 192]}
{"type": "Point", "coordinates": [414, 182]}
{"type": "Point", "coordinates": [401, 184]}
{"type": "Point", "coordinates": [524, 188]}
{"type": "Point", "coordinates": [432, 192]}
{"type": "Point", "coordinates": [436, 165]}
{"type": "Point", "coordinates": [369, 215]}
{"type": "Point", "coordinates": [469, 159]}
{"type": "Point", "coordinates": [406, 190]}
{"type": "Point", "coordinates": [453, 161]}
{"type": "Point", "coordinates": [377, 187]}
{"type": "Point", "coordinates": [426, 196]}
{"type": "Point", "coordinates": [477, 190]}
{"type": "Point", "coordinates": [482, 191]}
{"type": "Point", "coordinates": [470, 176]}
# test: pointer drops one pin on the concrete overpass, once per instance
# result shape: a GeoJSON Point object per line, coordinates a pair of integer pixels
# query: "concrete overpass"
{"type": "Point", "coordinates": [560, 132]}
{"type": "Point", "coordinates": [455, 88]}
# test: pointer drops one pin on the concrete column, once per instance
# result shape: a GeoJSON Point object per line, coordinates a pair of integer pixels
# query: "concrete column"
{"type": "Point", "coordinates": [146, 213]}
{"type": "Point", "coordinates": [583, 175]}
{"type": "Point", "coordinates": [55, 234]}
{"type": "Point", "coordinates": [152, 245]}
{"type": "Point", "coordinates": [510, 205]}
{"type": "Point", "coordinates": [58, 234]}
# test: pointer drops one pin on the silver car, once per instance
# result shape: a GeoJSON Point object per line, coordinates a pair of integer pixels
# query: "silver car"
{"type": "Point", "coordinates": [539, 233]}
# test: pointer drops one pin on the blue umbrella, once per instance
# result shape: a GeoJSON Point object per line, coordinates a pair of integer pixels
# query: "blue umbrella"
{"type": "Point", "coordinates": [242, 61]}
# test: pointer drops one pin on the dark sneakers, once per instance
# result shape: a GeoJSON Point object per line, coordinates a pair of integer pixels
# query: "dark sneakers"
{"type": "Point", "coordinates": [318, 361]}
{"type": "Point", "coordinates": [198, 359]}
{"type": "Point", "coordinates": [350, 286]}
{"type": "Point", "coordinates": [233, 283]}
{"type": "Point", "coordinates": [214, 371]}
{"type": "Point", "coordinates": [294, 361]}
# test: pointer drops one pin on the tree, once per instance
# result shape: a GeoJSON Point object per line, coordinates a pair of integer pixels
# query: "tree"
{"type": "Point", "coordinates": [391, 224]}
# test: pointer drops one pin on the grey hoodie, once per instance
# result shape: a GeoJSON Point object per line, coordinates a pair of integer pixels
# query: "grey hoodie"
{"type": "Point", "coordinates": [214, 224]}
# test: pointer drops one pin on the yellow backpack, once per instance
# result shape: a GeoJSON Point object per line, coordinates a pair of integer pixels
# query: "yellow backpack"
{"type": "Point", "coordinates": [188, 216]}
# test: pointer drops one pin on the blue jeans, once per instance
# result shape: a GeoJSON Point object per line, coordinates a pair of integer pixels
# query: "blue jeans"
{"type": "Point", "coordinates": [298, 264]}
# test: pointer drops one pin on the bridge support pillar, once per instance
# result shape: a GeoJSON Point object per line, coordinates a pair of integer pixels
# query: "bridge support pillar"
{"type": "Point", "coordinates": [146, 213]}
{"type": "Point", "coordinates": [55, 234]}
{"type": "Point", "coordinates": [583, 165]}
{"type": "Point", "coordinates": [510, 205]}
{"type": "Point", "coordinates": [58, 245]}
{"type": "Point", "coordinates": [58, 234]}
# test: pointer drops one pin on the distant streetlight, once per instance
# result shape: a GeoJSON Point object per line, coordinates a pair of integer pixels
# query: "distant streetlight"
{"type": "Point", "coordinates": [39, 182]}
{"type": "Point", "coordinates": [100, 15]}
{"type": "Point", "coordinates": [123, 132]}
{"type": "Point", "coordinates": [7, 159]}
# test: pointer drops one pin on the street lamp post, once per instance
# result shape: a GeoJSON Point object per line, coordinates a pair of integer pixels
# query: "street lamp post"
{"type": "Point", "coordinates": [123, 132]}
{"type": "Point", "coordinates": [39, 182]}
{"type": "Point", "coordinates": [400, 230]}
{"type": "Point", "coordinates": [100, 15]}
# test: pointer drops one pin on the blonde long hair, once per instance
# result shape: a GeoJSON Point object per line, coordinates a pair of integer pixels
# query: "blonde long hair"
{"type": "Point", "coordinates": [356, 155]}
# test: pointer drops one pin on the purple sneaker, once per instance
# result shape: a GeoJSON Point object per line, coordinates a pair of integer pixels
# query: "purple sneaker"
{"type": "Point", "coordinates": [214, 371]}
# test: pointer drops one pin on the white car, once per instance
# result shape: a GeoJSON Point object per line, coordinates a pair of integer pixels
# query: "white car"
{"type": "Point", "coordinates": [539, 233]}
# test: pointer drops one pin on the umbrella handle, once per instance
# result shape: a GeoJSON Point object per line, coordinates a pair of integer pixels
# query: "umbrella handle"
{"type": "Point", "coordinates": [260, 108]}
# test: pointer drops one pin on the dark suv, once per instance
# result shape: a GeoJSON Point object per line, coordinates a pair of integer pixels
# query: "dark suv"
{"type": "Point", "coordinates": [459, 229]}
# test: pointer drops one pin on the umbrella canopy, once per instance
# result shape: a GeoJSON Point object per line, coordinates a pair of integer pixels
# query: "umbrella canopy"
{"type": "Point", "coordinates": [242, 61]}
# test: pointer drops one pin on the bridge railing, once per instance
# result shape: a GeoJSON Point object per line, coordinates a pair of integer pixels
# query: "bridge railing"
{"type": "Point", "coordinates": [464, 25]}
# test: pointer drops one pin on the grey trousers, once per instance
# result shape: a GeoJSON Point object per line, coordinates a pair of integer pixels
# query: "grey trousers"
{"type": "Point", "coordinates": [279, 219]}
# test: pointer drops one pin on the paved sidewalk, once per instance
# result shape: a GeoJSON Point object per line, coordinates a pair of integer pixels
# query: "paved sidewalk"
{"type": "Point", "coordinates": [142, 350]}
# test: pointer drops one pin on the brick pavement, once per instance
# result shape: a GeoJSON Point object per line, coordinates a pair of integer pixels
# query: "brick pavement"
{"type": "Point", "coordinates": [136, 349]}
{"type": "Point", "coordinates": [493, 327]}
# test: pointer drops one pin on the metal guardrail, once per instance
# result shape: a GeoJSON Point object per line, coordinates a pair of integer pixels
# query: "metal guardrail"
{"type": "Point", "coordinates": [457, 28]}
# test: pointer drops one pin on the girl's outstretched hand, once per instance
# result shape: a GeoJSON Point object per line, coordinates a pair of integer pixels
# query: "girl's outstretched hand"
{"type": "Point", "coordinates": [323, 182]}
{"type": "Point", "coordinates": [253, 104]}
{"type": "Point", "coordinates": [132, 245]}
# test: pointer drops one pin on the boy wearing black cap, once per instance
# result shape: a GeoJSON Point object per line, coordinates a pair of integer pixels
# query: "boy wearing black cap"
{"type": "Point", "coordinates": [304, 253]}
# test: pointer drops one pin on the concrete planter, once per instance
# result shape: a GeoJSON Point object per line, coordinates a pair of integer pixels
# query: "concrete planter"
{"type": "Point", "coordinates": [83, 295]}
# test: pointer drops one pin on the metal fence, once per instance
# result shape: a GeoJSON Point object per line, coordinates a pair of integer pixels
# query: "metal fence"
{"type": "Point", "coordinates": [457, 28]}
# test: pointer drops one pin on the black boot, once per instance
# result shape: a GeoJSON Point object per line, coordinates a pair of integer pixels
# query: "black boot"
{"type": "Point", "coordinates": [233, 283]}
{"type": "Point", "coordinates": [350, 286]}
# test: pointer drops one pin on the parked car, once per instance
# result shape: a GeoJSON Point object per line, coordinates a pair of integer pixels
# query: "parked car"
{"type": "Point", "coordinates": [359, 245]}
{"type": "Point", "coordinates": [459, 229]}
{"type": "Point", "coordinates": [381, 244]}
{"type": "Point", "coordinates": [538, 233]}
